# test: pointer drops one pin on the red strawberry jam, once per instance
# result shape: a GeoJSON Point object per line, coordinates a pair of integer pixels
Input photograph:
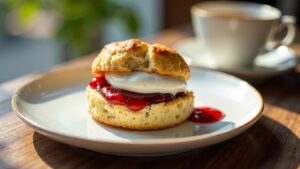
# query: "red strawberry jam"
{"type": "Point", "coordinates": [206, 115]}
{"type": "Point", "coordinates": [133, 101]}
{"type": "Point", "coordinates": [112, 95]}
{"type": "Point", "coordinates": [98, 82]}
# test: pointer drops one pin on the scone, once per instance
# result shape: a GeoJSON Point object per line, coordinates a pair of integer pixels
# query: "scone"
{"type": "Point", "coordinates": [139, 86]}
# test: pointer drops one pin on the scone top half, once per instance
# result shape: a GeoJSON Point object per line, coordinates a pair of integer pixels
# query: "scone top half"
{"type": "Point", "coordinates": [136, 55]}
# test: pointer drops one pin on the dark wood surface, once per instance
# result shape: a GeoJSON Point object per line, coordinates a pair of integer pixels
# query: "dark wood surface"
{"type": "Point", "coordinates": [273, 142]}
{"type": "Point", "coordinates": [177, 12]}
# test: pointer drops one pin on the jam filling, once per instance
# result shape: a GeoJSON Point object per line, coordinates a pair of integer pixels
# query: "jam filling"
{"type": "Point", "coordinates": [137, 101]}
{"type": "Point", "coordinates": [206, 115]}
{"type": "Point", "coordinates": [133, 101]}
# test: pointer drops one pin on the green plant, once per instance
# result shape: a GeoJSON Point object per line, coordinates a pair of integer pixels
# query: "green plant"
{"type": "Point", "coordinates": [80, 20]}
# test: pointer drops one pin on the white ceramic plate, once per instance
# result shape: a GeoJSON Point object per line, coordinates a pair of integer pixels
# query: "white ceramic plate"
{"type": "Point", "coordinates": [55, 105]}
{"type": "Point", "coordinates": [274, 63]}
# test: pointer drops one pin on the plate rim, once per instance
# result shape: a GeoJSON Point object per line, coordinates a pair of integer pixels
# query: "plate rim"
{"type": "Point", "coordinates": [42, 129]}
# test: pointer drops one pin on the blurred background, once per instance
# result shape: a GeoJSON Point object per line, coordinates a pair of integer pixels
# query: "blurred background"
{"type": "Point", "coordinates": [35, 35]}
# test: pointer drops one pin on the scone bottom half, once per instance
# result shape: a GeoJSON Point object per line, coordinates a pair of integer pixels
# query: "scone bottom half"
{"type": "Point", "coordinates": [120, 107]}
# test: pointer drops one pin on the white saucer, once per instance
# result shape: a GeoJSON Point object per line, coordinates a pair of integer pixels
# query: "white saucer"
{"type": "Point", "coordinates": [274, 63]}
{"type": "Point", "coordinates": [55, 105]}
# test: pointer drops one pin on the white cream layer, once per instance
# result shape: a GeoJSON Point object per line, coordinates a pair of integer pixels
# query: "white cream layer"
{"type": "Point", "coordinates": [141, 82]}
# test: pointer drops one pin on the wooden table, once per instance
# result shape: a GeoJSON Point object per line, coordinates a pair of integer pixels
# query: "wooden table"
{"type": "Point", "coordinates": [273, 142]}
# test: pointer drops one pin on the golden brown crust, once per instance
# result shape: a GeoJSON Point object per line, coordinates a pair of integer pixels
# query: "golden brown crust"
{"type": "Point", "coordinates": [155, 116]}
{"type": "Point", "coordinates": [136, 55]}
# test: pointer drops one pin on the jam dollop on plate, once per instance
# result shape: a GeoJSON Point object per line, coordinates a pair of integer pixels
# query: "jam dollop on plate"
{"type": "Point", "coordinates": [206, 115]}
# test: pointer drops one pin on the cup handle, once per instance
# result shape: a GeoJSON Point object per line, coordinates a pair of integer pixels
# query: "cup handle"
{"type": "Point", "coordinates": [289, 22]}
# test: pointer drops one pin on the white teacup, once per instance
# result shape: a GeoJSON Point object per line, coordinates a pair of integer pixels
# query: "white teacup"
{"type": "Point", "coordinates": [234, 33]}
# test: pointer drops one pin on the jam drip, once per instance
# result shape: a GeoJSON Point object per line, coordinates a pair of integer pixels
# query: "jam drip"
{"type": "Point", "coordinates": [133, 101]}
{"type": "Point", "coordinates": [206, 115]}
